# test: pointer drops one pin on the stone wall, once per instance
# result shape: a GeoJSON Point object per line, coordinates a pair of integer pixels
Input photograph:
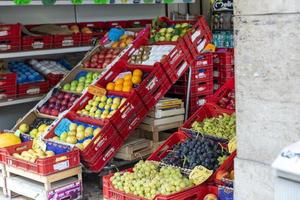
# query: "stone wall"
{"type": "Point", "coordinates": [267, 61]}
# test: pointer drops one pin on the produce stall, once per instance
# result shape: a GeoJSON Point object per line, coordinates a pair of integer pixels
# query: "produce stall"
{"type": "Point", "coordinates": [141, 75]}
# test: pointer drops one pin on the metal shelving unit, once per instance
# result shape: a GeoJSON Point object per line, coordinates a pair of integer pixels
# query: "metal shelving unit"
{"type": "Point", "coordinates": [10, 102]}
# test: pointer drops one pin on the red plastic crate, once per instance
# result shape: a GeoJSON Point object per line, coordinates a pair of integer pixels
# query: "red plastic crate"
{"type": "Point", "coordinates": [62, 41]}
{"type": "Point", "coordinates": [193, 193]}
{"type": "Point", "coordinates": [198, 37]}
{"type": "Point", "coordinates": [206, 111]}
{"type": "Point", "coordinates": [105, 156]}
{"type": "Point", "coordinates": [112, 24]}
{"type": "Point", "coordinates": [197, 89]}
{"type": "Point", "coordinates": [65, 158]}
{"type": "Point", "coordinates": [137, 23]}
{"type": "Point", "coordinates": [10, 44]}
{"type": "Point", "coordinates": [10, 30]}
{"type": "Point", "coordinates": [89, 38]}
{"type": "Point", "coordinates": [33, 88]}
{"type": "Point", "coordinates": [8, 79]}
{"type": "Point", "coordinates": [54, 79]}
{"type": "Point", "coordinates": [224, 56]}
{"type": "Point", "coordinates": [37, 42]}
{"type": "Point", "coordinates": [197, 101]}
{"type": "Point", "coordinates": [199, 74]}
{"type": "Point", "coordinates": [7, 92]}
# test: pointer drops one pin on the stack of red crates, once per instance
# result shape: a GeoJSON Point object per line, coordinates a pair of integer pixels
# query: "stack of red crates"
{"type": "Point", "coordinates": [223, 66]}
{"type": "Point", "coordinates": [201, 82]}
{"type": "Point", "coordinates": [10, 37]}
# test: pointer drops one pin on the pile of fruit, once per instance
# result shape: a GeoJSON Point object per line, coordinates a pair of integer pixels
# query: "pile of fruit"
{"type": "Point", "coordinates": [164, 33]}
{"type": "Point", "coordinates": [32, 154]}
{"type": "Point", "coordinates": [77, 86]}
{"type": "Point", "coordinates": [148, 180]}
{"type": "Point", "coordinates": [228, 101]}
{"type": "Point", "coordinates": [79, 135]}
{"type": "Point", "coordinates": [223, 126]}
{"type": "Point", "coordinates": [25, 74]}
{"type": "Point", "coordinates": [58, 103]}
{"type": "Point", "coordinates": [149, 55]}
{"type": "Point", "coordinates": [195, 152]}
{"type": "Point", "coordinates": [124, 41]}
{"type": "Point", "coordinates": [102, 59]}
{"type": "Point", "coordinates": [125, 81]}
{"type": "Point", "coordinates": [102, 107]}
{"type": "Point", "coordinates": [37, 128]}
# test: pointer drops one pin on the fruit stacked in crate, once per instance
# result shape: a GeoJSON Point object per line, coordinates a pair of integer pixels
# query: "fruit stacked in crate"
{"type": "Point", "coordinates": [223, 66]}
{"type": "Point", "coordinates": [201, 83]}
{"type": "Point", "coordinates": [10, 37]}
{"type": "Point", "coordinates": [29, 81]}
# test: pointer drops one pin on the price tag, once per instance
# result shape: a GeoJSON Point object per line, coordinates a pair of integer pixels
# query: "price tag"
{"type": "Point", "coordinates": [97, 91]}
{"type": "Point", "coordinates": [200, 174]}
{"type": "Point", "coordinates": [62, 127]}
{"type": "Point", "coordinates": [232, 145]}
{"type": "Point", "coordinates": [17, 133]}
{"type": "Point", "coordinates": [39, 144]}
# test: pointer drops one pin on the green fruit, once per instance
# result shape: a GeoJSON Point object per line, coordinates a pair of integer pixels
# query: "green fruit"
{"type": "Point", "coordinates": [95, 75]}
{"type": "Point", "coordinates": [174, 38]}
{"type": "Point", "coordinates": [23, 128]}
{"type": "Point", "coordinates": [33, 133]}
{"type": "Point", "coordinates": [81, 79]}
{"type": "Point", "coordinates": [162, 38]}
{"type": "Point", "coordinates": [89, 75]}
{"type": "Point", "coordinates": [103, 99]}
{"type": "Point", "coordinates": [170, 30]}
{"type": "Point", "coordinates": [63, 136]}
{"type": "Point", "coordinates": [67, 87]}
{"type": "Point", "coordinates": [162, 30]}
{"type": "Point", "coordinates": [74, 83]}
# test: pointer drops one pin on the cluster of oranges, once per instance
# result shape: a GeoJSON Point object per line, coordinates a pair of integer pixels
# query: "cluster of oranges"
{"type": "Point", "coordinates": [125, 84]}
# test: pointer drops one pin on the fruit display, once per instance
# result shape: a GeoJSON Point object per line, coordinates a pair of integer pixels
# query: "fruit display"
{"type": "Point", "coordinates": [162, 32]}
{"type": "Point", "coordinates": [25, 74]}
{"type": "Point", "coordinates": [36, 128]}
{"type": "Point", "coordinates": [228, 101]}
{"type": "Point", "coordinates": [223, 126]}
{"type": "Point", "coordinates": [124, 41]}
{"type": "Point", "coordinates": [210, 197]}
{"type": "Point", "coordinates": [149, 55]}
{"type": "Point", "coordinates": [125, 81]}
{"type": "Point", "coordinates": [148, 179]}
{"type": "Point", "coordinates": [82, 81]}
{"type": "Point", "coordinates": [102, 58]}
{"type": "Point", "coordinates": [9, 139]}
{"type": "Point", "coordinates": [194, 152]}
{"type": "Point", "coordinates": [78, 134]}
{"type": "Point", "coordinates": [222, 174]}
{"type": "Point", "coordinates": [102, 107]}
{"type": "Point", "coordinates": [58, 103]}
{"type": "Point", "coordinates": [32, 154]}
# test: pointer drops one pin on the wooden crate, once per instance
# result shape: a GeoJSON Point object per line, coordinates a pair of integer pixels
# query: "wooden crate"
{"type": "Point", "coordinates": [135, 148]}
{"type": "Point", "coordinates": [38, 187]}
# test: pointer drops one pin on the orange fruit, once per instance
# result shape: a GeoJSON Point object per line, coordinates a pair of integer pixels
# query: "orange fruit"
{"type": "Point", "coordinates": [118, 87]}
{"type": "Point", "coordinates": [127, 83]}
{"type": "Point", "coordinates": [136, 80]}
{"type": "Point", "coordinates": [110, 86]}
{"type": "Point", "coordinates": [124, 37]}
{"type": "Point", "coordinates": [127, 77]}
{"type": "Point", "coordinates": [127, 88]}
{"type": "Point", "coordinates": [119, 81]}
{"type": "Point", "coordinates": [115, 45]}
{"type": "Point", "coordinates": [137, 72]}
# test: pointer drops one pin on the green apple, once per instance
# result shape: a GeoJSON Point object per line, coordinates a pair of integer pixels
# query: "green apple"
{"type": "Point", "coordinates": [88, 131]}
{"type": "Point", "coordinates": [109, 101]}
{"type": "Point", "coordinates": [88, 81]}
{"type": "Point", "coordinates": [98, 98]}
{"type": "Point", "coordinates": [63, 136]}
{"type": "Point", "coordinates": [33, 133]}
{"type": "Point", "coordinates": [67, 87]}
{"type": "Point", "coordinates": [93, 109]}
{"type": "Point", "coordinates": [80, 135]}
{"type": "Point", "coordinates": [101, 105]}
{"type": "Point", "coordinates": [116, 100]}
{"type": "Point", "coordinates": [23, 128]}
{"type": "Point", "coordinates": [80, 128]}
{"type": "Point", "coordinates": [106, 112]}
{"type": "Point", "coordinates": [114, 106]}
{"type": "Point", "coordinates": [84, 112]}
{"type": "Point", "coordinates": [95, 75]}
{"type": "Point", "coordinates": [74, 83]}
{"type": "Point", "coordinates": [107, 106]}
{"type": "Point", "coordinates": [88, 107]}
{"type": "Point", "coordinates": [72, 127]}
{"type": "Point", "coordinates": [103, 98]}
{"type": "Point", "coordinates": [81, 79]}
{"type": "Point", "coordinates": [79, 88]}
{"type": "Point", "coordinates": [174, 38]}
{"type": "Point", "coordinates": [89, 75]}
{"type": "Point", "coordinates": [95, 103]}
{"type": "Point", "coordinates": [73, 88]}
{"type": "Point", "coordinates": [97, 115]}
{"type": "Point", "coordinates": [90, 102]}
{"type": "Point", "coordinates": [96, 131]}
{"type": "Point", "coordinates": [91, 114]}
{"type": "Point", "coordinates": [98, 112]}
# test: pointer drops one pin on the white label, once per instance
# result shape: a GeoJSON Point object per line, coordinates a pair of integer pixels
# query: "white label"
{"type": "Point", "coordinates": [61, 165]}
{"type": "Point", "coordinates": [106, 156]}
{"type": "Point", "coordinates": [201, 102]}
{"type": "Point", "coordinates": [181, 69]}
{"type": "Point", "coordinates": [66, 43]}
{"type": "Point", "coordinates": [3, 33]}
{"type": "Point", "coordinates": [133, 123]}
{"type": "Point", "coordinates": [131, 52]}
{"type": "Point", "coordinates": [195, 35]}
{"type": "Point", "coordinates": [38, 45]}
{"type": "Point", "coordinates": [201, 89]}
{"type": "Point", "coordinates": [152, 83]}
{"type": "Point", "coordinates": [201, 46]}
{"type": "Point", "coordinates": [33, 91]}
{"type": "Point", "coordinates": [101, 142]}
{"type": "Point", "coordinates": [126, 112]}
{"type": "Point", "coordinates": [4, 47]}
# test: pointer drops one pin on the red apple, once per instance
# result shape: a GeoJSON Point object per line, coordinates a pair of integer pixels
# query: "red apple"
{"type": "Point", "coordinates": [101, 56]}
{"type": "Point", "coordinates": [70, 104]}
{"type": "Point", "coordinates": [108, 56]}
{"type": "Point", "coordinates": [108, 60]}
{"type": "Point", "coordinates": [43, 109]}
{"type": "Point", "coordinates": [64, 102]}
{"type": "Point", "coordinates": [63, 108]}
{"type": "Point", "coordinates": [67, 96]}
{"type": "Point", "coordinates": [52, 100]}
{"type": "Point", "coordinates": [54, 112]}
{"type": "Point", "coordinates": [93, 65]}
{"type": "Point", "coordinates": [51, 105]}
{"type": "Point", "coordinates": [86, 64]}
